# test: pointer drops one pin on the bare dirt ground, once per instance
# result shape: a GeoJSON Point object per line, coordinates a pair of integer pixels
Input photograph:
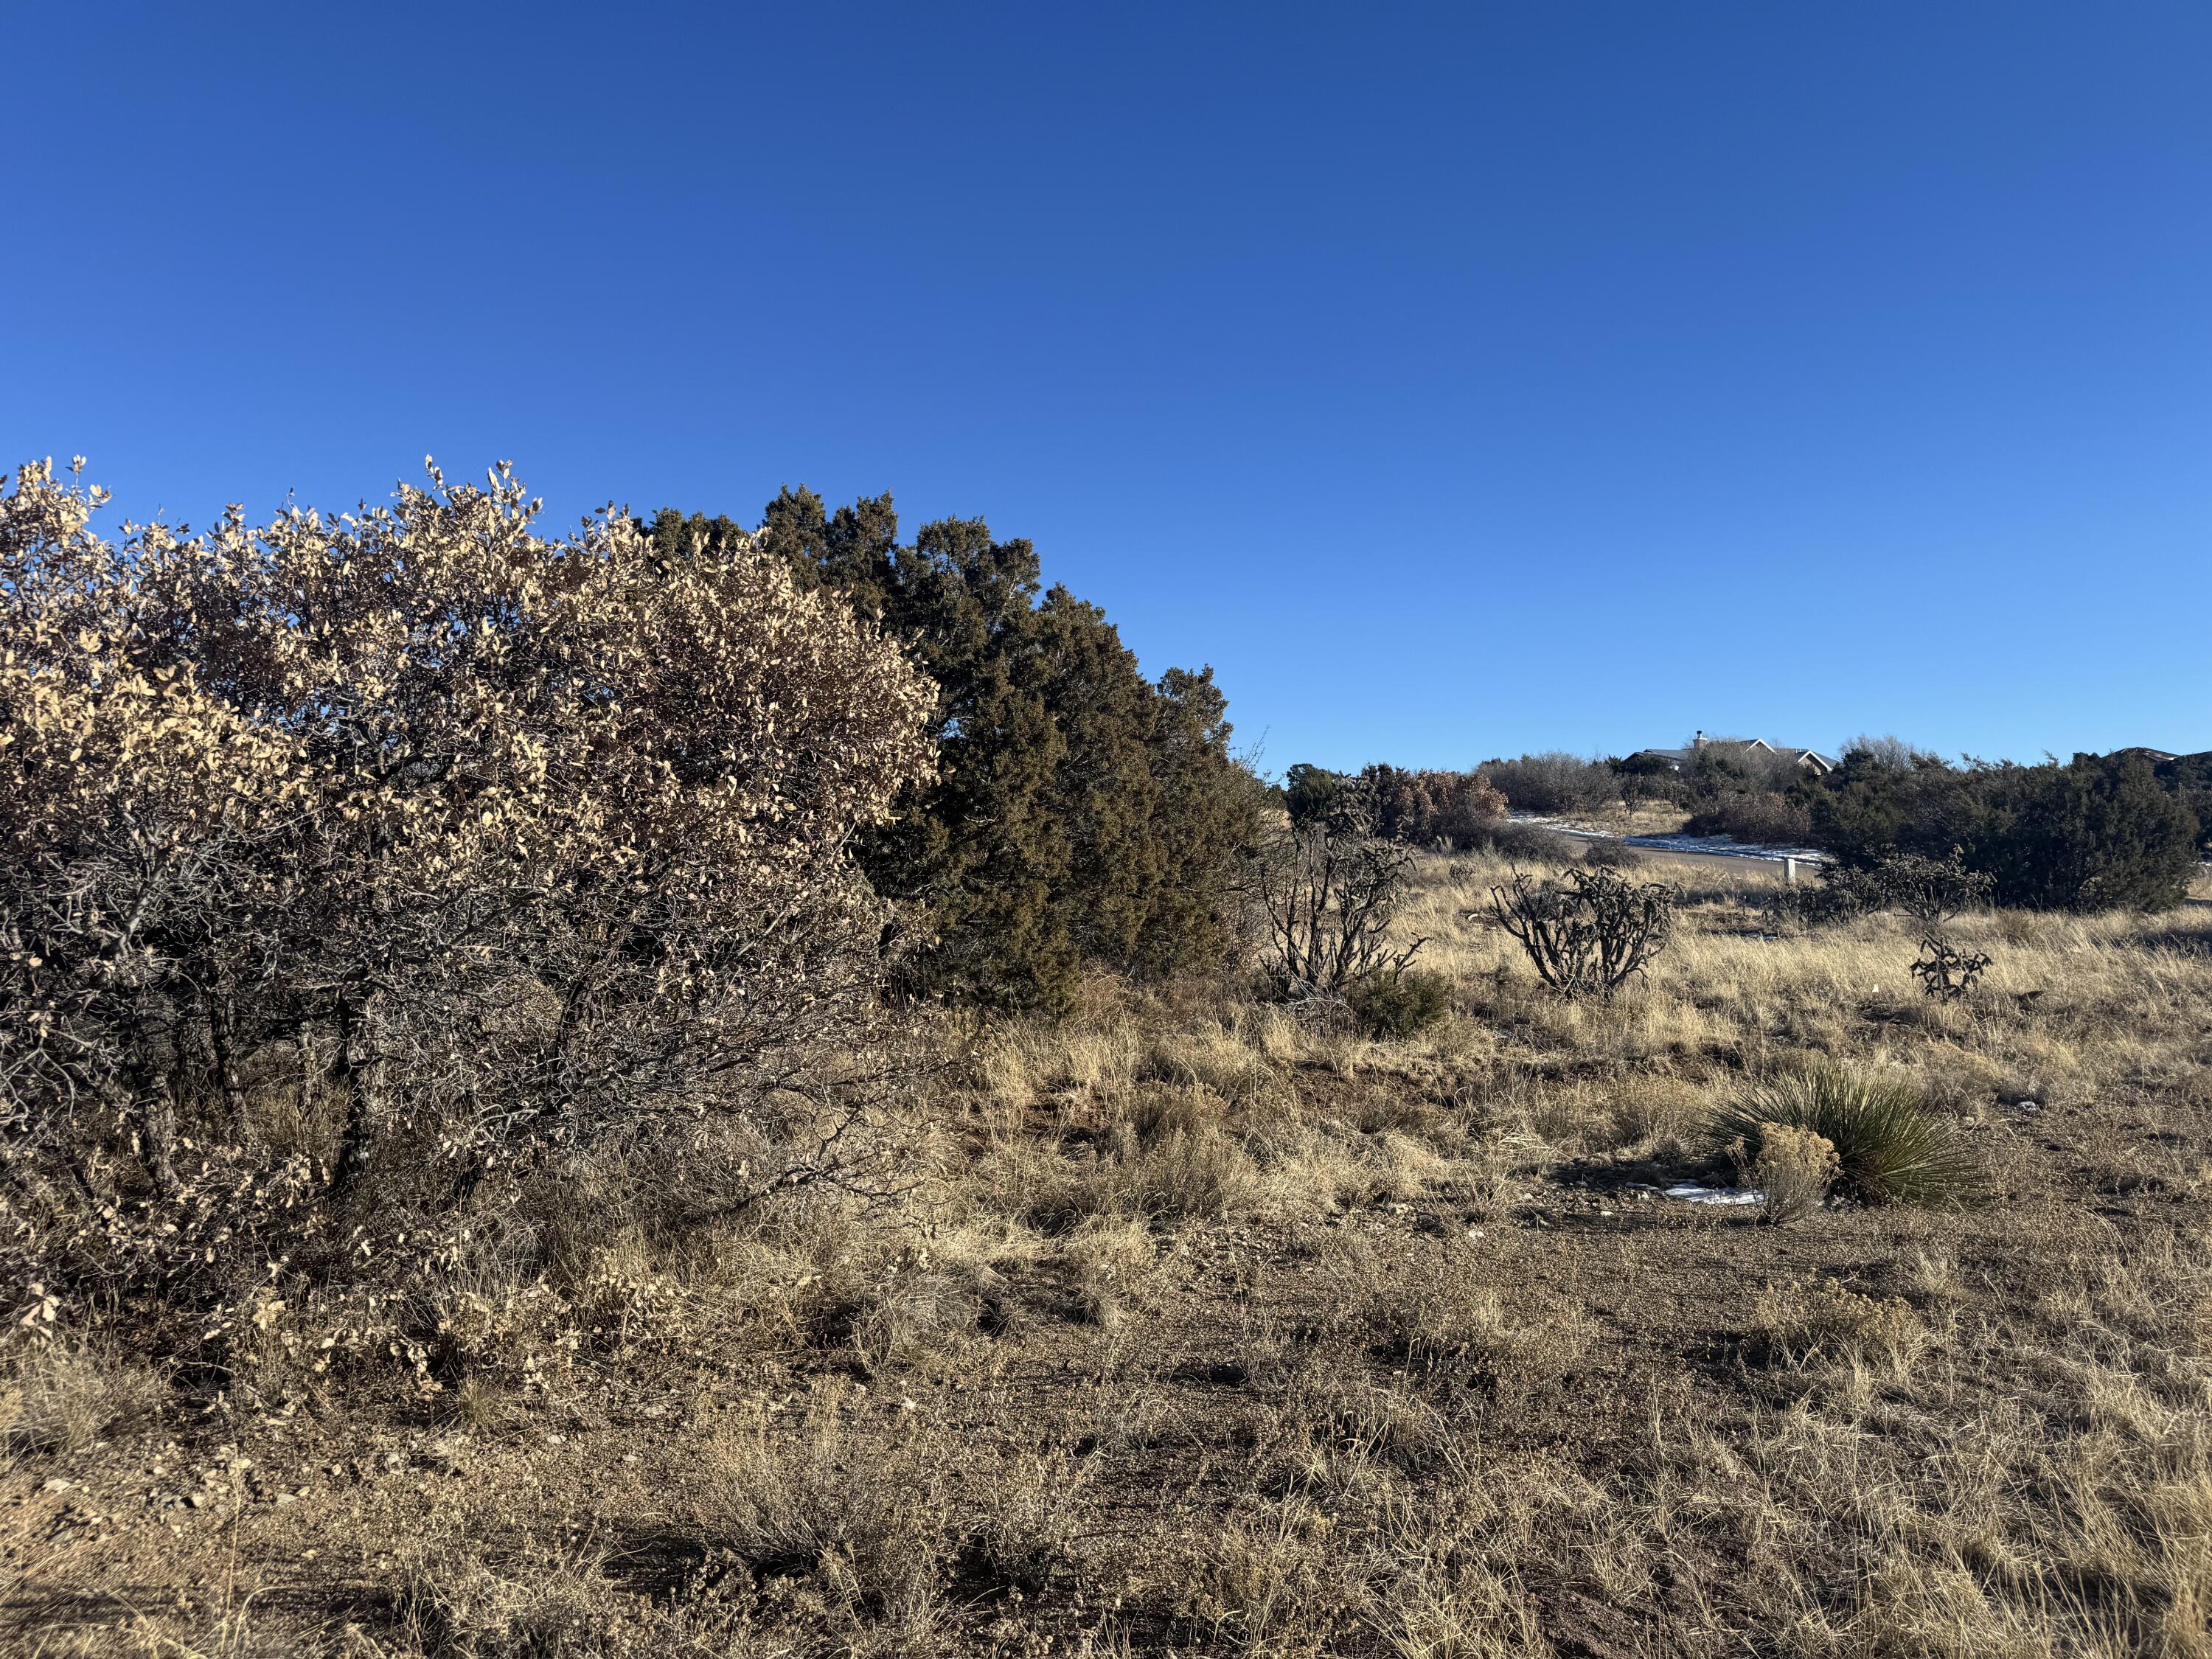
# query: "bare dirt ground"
{"type": "Point", "coordinates": [1215, 1331]}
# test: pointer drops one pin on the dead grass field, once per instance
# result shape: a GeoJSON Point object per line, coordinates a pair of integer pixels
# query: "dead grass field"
{"type": "Point", "coordinates": [1213, 1332]}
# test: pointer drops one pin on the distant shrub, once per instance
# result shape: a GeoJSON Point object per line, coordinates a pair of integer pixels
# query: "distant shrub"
{"type": "Point", "coordinates": [2189, 779]}
{"type": "Point", "coordinates": [1611, 855]}
{"type": "Point", "coordinates": [1642, 778]}
{"type": "Point", "coordinates": [1764, 816]}
{"type": "Point", "coordinates": [1309, 793]}
{"type": "Point", "coordinates": [1553, 783]}
{"type": "Point", "coordinates": [1889, 1147]}
{"type": "Point", "coordinates": [1401, 1004]}
{"type": "Point", "coordinates": [1587, 931]}
{"type": "Point", "coordinates": [1424, 809]}
{"type": "Point", "coordinates": [2097, 834]}
{"type": "Point", "coordinates": [1523, 843]}
{"type": "Point", "coordinates": [1843, 893]}
{"type": "Point", "coordinates": [1932, 891]}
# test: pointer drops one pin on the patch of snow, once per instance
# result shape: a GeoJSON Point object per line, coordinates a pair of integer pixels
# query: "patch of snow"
{"type": "Point", "coordinates": [1715, 846]}
{"type": "Point", "coordinates": [1691, 1192]}
{"type": "Point", "coordinates": [1727, 846]}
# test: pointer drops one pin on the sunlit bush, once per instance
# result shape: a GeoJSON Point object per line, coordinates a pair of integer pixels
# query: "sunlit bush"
{"type": "Point", "coordinates": [357, 872]}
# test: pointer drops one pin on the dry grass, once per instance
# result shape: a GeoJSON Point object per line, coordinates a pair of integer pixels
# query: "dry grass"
{"type": "Point", "coordinates": [1215, 1331]}
{"type": "Point", "coordinates": [62, 1398]}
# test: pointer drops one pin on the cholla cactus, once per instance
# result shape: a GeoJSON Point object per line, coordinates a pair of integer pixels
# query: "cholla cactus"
{"type": "Point", "coordinates": [454, 848]}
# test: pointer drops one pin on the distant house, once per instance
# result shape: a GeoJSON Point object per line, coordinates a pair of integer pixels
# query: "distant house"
{"type": "Point", "coordinates": [1810, 761]}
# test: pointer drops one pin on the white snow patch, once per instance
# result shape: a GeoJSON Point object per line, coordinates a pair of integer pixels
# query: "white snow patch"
{"type": "Point", "coordinates": [1691, 1192]}
{"type": "Point", "coordinates": [1715, 846]}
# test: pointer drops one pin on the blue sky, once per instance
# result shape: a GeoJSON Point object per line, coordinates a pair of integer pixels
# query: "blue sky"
{"type": "Point", "coordinates": [1456, 379]}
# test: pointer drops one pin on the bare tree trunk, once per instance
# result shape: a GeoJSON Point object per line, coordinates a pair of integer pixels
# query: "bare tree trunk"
{"type": "Point", "coordinates": [222, 1037]}
{"type": "Point", "coordinates": [153, 1107]}
{"type": "Point", "coordinates": [354, 1138]}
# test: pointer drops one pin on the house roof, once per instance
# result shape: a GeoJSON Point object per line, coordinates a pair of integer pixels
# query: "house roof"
{"type": "Point", "coordinates": [1685, 755]}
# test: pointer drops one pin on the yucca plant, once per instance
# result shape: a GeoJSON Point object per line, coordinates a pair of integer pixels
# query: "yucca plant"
{"type": "Point", "coordinates": [1890, 1148]}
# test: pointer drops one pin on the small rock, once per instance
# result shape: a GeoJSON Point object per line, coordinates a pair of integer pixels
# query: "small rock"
{"type": "Point", "coordinates": [60, 1484]}
{"type": "Point", "coordinates": [198, 1500]}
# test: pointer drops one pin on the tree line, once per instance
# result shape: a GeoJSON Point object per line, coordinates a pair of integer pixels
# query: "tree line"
{"type": "Point", "coordinates": [2095, 832]}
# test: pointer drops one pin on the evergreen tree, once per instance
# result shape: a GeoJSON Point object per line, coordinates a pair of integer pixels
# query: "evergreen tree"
{"type": "Point", "coordinates": [2099, 833]}
{"type": "Point", "coordinates": [1080, 812]}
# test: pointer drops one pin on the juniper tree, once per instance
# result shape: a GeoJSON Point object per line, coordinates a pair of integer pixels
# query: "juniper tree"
{"type": "Point", "coordinates": [1079, 811]}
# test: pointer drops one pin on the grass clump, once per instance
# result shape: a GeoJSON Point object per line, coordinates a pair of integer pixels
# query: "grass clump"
{"type": "Point", "coordinates": [1800, 1321]}
{"type": "Point", "coordinates": [61, 1399]}
{"type": "Point", "coordinates": [1889, 1148]}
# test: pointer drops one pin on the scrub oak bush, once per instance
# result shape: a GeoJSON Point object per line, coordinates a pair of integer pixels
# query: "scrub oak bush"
{"type": "Point", "coordinates": [1555, 782]}
{"type": "Point", "coordinates": [1760, 816]}
{"type": "Point", "coordinates": [1428, 808]}
{"type": "Point", "coordinates": [1417, 808]}
{"type": "Point", "coordinates": [362, 877]}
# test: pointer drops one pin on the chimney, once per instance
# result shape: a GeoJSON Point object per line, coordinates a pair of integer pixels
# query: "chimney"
{"type": "Point", "coordinates": [1698, 741]}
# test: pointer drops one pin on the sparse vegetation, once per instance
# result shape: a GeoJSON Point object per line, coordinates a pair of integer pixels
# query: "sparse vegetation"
{"type": "Point", "coordinates": [814, 1320]}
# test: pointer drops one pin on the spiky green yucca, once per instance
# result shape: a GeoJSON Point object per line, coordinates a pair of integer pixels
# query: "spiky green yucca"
{"type": "Point", "coordinates": [1892, 1149]}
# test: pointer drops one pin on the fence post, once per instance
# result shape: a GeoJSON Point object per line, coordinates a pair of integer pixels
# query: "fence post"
{"type": "Point", "coordinates": [1789, 872]}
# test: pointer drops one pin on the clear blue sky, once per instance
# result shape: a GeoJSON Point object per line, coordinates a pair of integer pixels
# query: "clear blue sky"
{"type": "Point", "coordinates": [1455, 379]}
